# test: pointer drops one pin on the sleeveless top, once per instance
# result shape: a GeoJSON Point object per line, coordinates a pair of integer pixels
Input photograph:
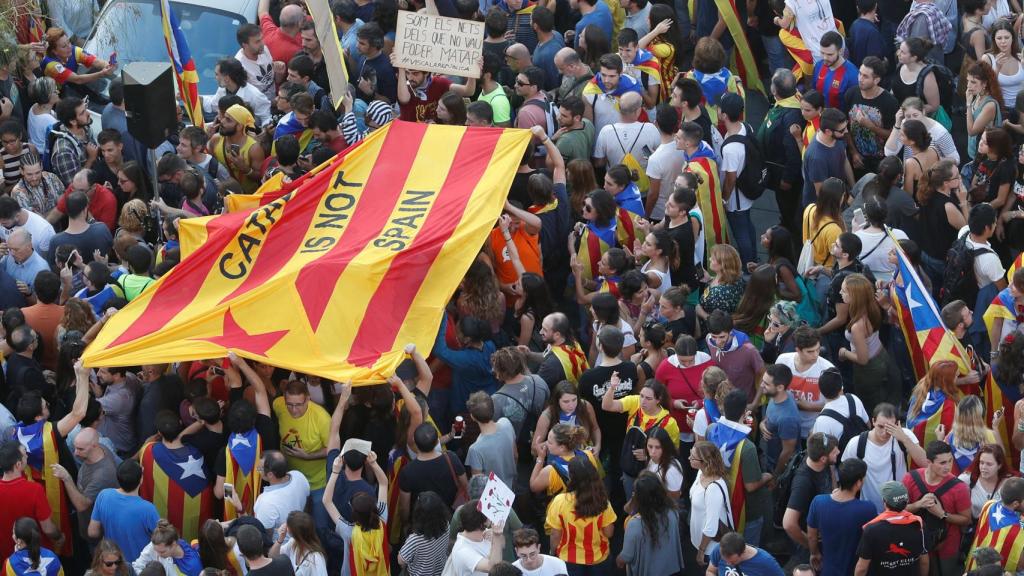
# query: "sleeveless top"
{"type": "Point", "coordinates": [873, 341]}
{"type": "Point", "coordinates": [666, 278]}
{"type": "Point", "coordinates": [997, 120]}
{"type": "Point", "coordinates": [933, 218]}
{"type": "Point", "coordinates": [1009, 84]}
{"type": "Point", "coordinates": [249, 184]}
{"type": "Point", "coordinates": [902, 90]}
{"type": "Point", "coordinates": [965, 42]}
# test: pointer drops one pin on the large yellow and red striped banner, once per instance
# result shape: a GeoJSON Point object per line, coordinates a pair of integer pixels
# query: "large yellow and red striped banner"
{"type": "Point", "coordinates": [335, 276]}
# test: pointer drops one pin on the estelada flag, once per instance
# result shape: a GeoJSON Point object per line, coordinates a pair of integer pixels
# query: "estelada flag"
{"type": "Point", "coordinates": [936, 409]}
{"type": "Point", "coordinates": [242, 453]}
{"type": "Point", "coordinates": [175, 482]}
{"type": "Point", "coordinates": [999, 528]}
{"type": "Point", "coordinates": [337, 275]}
{"type": "Point", "coordinates": [729, 437]}
{"type": "Point", "coordinates": [40, 442]}
{"type": "Point", "coordinates": [709, 195]}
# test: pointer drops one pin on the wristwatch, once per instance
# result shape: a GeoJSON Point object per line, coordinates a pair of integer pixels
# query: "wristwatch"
{"type": "Point", "coordinates": [945, 515]}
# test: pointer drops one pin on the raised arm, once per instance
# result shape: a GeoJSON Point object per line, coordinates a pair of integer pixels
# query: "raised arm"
{"type": "Point", "coordinates": [328, 497]}
{"type": "Point", "coordinates": [412, 406]}
{"type": "Point", "coordinates": [81, 404]}
{"type": "Point", "coordinates": [260, 397]}
{"type": "Point", "coordinates": [334, 436]}
{"type": "Point", "coordinates": [608, 401]}
{"type": "Point", "coordinates": [554, 155]}
{"type": "Point", "coordinates": [379, 475]}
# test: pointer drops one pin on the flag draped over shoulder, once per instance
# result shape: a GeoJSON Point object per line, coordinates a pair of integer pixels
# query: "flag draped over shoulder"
{"type": "Point", "coordinates": [184, 65]}
{"type": "Point", "coordinates": [241, 454]}
{"type": "Point", "coordinates": [19, 564]}
{"type": "Point", "coordinates": [709, 195]}
{"type": "Point", "coordinates": [729, 437]}
{"type": "Point", "coordinates": [335, 274]}
{"type": "Point", "coordinates": [175, 482]}
{"type": "Point", "coordinates": [936, 409]}
{"type": "Point", "coordinates": [999, 528]}
{"type": "Point", "coordinates": [928, 340]}
{"type": "Point", "coordinates": [1014, 267]}
{"type": "Point", "coordinates": [40, 442]}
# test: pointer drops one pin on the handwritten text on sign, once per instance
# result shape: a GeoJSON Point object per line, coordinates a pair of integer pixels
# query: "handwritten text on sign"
{"type": "Point", "coordinates": [438, 44]}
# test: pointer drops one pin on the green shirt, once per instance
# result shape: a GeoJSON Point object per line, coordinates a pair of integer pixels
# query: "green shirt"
{"type": "Point", "coordinates": [758, 500]}
{"type": "Point", "coordinates": [577, 144]}
{"type": "Point", "coordinates": [499, 104]}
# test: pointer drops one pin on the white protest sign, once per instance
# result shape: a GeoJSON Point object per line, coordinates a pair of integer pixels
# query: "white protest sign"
{"type": "Point", "coordinates": [438, 44]}
{"type": "Point", "coordinates": [496, 501]}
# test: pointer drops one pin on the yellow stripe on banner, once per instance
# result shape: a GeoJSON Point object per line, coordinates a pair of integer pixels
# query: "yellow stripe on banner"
{"type": "Point", "coordinates": [193, 233]}
{"type": "Point", "coordinates": [160, 488]}
{"type": "Point", "coordinates": [361, 277]}
{"type": "Point", "coordinates": [482, 211]}
{"type": "Point", "coordinates": [330, 43]}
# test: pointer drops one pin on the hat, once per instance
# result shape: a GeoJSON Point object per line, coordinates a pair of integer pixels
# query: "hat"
{"type": "Point", "coordinates": [731, 104]}
{"type": "Point", "coordinates": [894, 494]}
{"type": "Point", "coordinates": [361, 446]}
{"type": "Point", "coordinates": [379, 112]}
{"type": "Point", "coordinates": [241, 115]}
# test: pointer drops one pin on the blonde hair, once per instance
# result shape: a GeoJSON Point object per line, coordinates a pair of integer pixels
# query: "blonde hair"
{"type": "Point", "coordinates": [969, 428]}
{"type": "Point", "coordinates": [712, 380]}
{"type": "Point", "coordinates": [712, 464]}
{"type": "Point", "coordinates": [729, 264]}
{"type": "Point", "coordinates": [165, 533]}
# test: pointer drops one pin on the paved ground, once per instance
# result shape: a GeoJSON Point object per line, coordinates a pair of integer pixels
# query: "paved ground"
{"type": "Point", "coordinates": [765, 212]}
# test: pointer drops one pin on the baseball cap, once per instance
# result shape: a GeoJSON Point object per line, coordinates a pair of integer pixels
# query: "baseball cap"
{"type": "Point", "coordinates": [731, 104]}
{"type": "Point", "coordinates": [894, 494]}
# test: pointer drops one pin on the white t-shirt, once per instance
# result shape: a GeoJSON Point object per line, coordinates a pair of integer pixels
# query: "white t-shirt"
{"type": "Point", "coordinates": [874, 251]}
{"type": "Point", "coordinates": [466, 554]}
{"type": "Point", "coordinates": [41, 231]}
{"type": "Point", "coordinates": [38, 124]}
{"type": "Point", "coordinates": [260, 72]}
{"type": "Point", "coordinates": [665, 165]}
{"type": "Point", "coordinates": [880, 469]}
{"type": "Point", "coordinates": [277, 501]}
{"type": "Point", "coordinates": [979, 496]}
{"type": "Point", "coordinates": [840, 405]}
{"type": "Point", "coordinates": [987, 266]}
{"type": "Point", "coordinates": [616, 140]}
{"type": "Point", "coordinates": [708, 507]}
{"type": "Point", "coordinates": [628, 338]}
{"type": "Point", "coordinates": [606, 110]}
{"type": "Point", "coordinates": [673, 477]}
{"type": "Point", "coordinates": [733, 156]}
{"type": "Point", "coordinates": [311, 564]}
{"type": "Point", "coordinates": [552, 566]}
{"type": "Point", "coordinates": [804, 387]}
{"type": "Point", "coordinates": [698, 246]}
{"type": "Point", "coordinates": [813, 20]}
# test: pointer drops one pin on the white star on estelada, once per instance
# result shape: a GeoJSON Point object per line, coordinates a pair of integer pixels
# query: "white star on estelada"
{"type": "Point", "coordinates": [911, 303]}
{"type": "Point", "coordinates": [192, 467]}
{"type": "Point", "coordinates": [239, 439]}
{"type": "Point", "coordinates": [998, 514]}
{"type": "Point", "coordinates": [23, 439]}
{"type": "Point", "coordinates": [41, 569]}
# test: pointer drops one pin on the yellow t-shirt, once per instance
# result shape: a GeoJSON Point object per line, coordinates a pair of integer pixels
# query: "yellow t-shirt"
{"type": "Point", "coordinates": [308, 433]}
{"type": "Point", "coordinates": [632, 405]}
{"type": "Point", "coordinates": [555, 482]}
{"type": "Point", "coordinates": [830, 230]}
{"type": "Point", "coordinates": [582, 541]}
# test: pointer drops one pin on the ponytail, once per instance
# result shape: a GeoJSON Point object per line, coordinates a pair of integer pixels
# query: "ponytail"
{"type": "Point", "coordinates": [26, 530]}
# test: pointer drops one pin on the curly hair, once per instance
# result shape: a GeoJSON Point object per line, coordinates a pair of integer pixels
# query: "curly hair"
{"type": "Point", "coordinates": [133, 217]}
{"type": "Point", "coordinates": [78, 315]}
{"type": "Point", "coordinates": [480, 291]}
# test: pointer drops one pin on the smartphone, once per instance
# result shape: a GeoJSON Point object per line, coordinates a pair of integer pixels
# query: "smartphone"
{"type": "Point", "coordinates": [71, 257]}
{"type": "Point", "coordinates": [218, 370]}
{"type": "Point", "coordinates": [235, 148]}
{"type": "Point", "coordinates": [229, 490]}
{"type": "Point", "coordinates": [113, 58]}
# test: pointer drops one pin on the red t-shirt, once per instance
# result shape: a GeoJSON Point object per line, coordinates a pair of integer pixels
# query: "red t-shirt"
{"type": "Point", "coordinates": [102, 206]}
{"type": "Point", "coordinates": [282, 46]}
{"type": "Point", "coordinates": [423, 110]}
{"type": "Point", "coordinates": [956, 500]}
{"type": "Point", "coordinates": [21, 498]}
{"type": "Point", "coordinates": [683, 384]}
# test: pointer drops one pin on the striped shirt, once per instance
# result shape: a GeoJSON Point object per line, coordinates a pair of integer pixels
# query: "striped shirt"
{"type": "Point", "coordinates": [582, 540]}
{"type": "Point", "coordinates": [12, 165]}
{"type": "Point", "coordinates": [423, 556]}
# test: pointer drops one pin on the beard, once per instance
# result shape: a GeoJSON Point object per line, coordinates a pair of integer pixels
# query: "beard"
{"type": "Point", "coordinates": [225, 131]}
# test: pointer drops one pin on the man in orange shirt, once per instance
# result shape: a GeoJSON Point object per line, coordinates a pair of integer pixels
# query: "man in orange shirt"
{"type": "Point", "coordinates": [44, 316]}
{"type": "Point", "coordinates": [516, 247]}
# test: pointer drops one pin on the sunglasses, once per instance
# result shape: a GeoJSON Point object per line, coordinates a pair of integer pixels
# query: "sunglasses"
{"type": "Point", "coordinates": [117, 562]}
{"type": "Point", "coordinates": [587, 207]}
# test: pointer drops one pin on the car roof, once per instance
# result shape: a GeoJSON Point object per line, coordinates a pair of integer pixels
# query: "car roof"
{"type": "Point", "coordinates": [246, 8]}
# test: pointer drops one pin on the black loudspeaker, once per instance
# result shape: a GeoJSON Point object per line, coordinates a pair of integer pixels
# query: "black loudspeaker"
{"type": "Point", "coordinates": [149, 100]}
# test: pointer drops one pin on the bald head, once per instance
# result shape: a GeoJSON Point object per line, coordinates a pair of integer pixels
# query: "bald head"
{"type": "Point", "coordinates": [20, 245]}
{"type": "Point", "coordinates": [629, 106]}
{"type": "Point", "coordinates": [292, 17]}
{"type": "Point", "coordinates": [519, 55]}
{"type": "Point", "coordinates": [87, 446]}
{"type": "Point", "coordinates": [566, 61]}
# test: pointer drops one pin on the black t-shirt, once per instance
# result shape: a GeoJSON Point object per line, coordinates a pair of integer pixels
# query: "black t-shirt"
{"type": "Point", "coordinates": [685, 325]}
{"type": "Point", "coordinates": [279, 566]}
{"type": "Point", "coordinates": [881, 110]}
{"type": "Point", "coordinates": [686, 272]}
{"type": "Point", "coordinates": [894, 549]}
{"type": "Point", "coordinates": [266, 428]}
{"type": "Point", "coordinates": [211, 444]}
{"type": "Point", "coordinates": [806, 485]}
{"type": "Point", "coordinates": [364, 423]}
{"type": "Point", "coordinates": [833, 297]}
{"type": "Point", "coordinates": [344, 489]}
{"type": "Point", "coordinates": [593, 385]}
{"type": "Point", "coordinates": [995, 173]}
{"type": "Point", "coordinates": [420, 476]}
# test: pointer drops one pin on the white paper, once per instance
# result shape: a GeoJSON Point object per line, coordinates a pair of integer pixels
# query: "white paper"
{"type": "Point", "coordinates": [496, 501]}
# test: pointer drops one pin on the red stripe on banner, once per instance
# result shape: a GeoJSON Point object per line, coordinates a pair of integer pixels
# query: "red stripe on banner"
{"type": "Point", "coordinates": [716, 215]}
{"type": "Point", "coordinates": [385, 183]}
{"type": "Point", "coordinates": [170, 298]}
{"type": "Point", "coordinates": [593, 253]}
{"type": "Point", "coordinates": [284, 239]}
{"type": "Point", "coordinates": [932, 342]}
{"type": "Point", "coordinates": [175, 505]}
{"type": "Point", "coordinates": [390, 303]}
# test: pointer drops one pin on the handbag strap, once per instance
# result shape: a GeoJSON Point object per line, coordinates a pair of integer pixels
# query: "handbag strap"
{"type": "Point", "coordinates": [455, 478]}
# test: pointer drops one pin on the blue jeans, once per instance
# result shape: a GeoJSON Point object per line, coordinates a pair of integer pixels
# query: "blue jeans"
{"type": "Point", "coordinates": [752, 531]}
{"type": "Point", "coordinates": [778, 57]}
{"type": "Point", "coordinates": [743, 233]}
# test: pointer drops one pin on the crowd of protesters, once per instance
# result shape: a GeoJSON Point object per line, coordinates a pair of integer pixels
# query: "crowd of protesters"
{"type": "Point", "coordinates": [667, 390]}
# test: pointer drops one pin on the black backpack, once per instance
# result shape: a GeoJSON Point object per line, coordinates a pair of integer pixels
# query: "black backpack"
{"type": "Point", "coordinates": [752, 177]}
{"type": "Point", "coordinates": [944, 79]}
{"type": "Point", "coordinates": [862, 448]}
{"type": "Point", "coordinates": [958, 279]}
{"type": "Point", "coordinates": [784, 484]}
{"type": "Point", "coordinates": [935, 528]}
{"type": "Point", "coordinates": [852, 425]}
{"type": "Point", "coordinates": [636, 439]}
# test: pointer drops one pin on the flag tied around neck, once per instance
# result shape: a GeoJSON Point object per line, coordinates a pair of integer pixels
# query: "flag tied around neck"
{"type": "Point", "coordinates": [333, 274]}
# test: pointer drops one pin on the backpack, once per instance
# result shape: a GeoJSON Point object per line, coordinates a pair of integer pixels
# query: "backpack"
{"type": "Point", "coordinates": [862, 448]}
{"type": "Point", "coordinates": [636, 439]}
{"type": "Point", "coordinates": [524, 431]}
{"type": "Point", "coordinates": [784, 484]}
{"type": "Point", "coordinates": [53, 134]}
{"type": "Point", "coordinates": [852, 425]}
{"type": "Point", "coordinates": [958, 279]}
{"type": "Point", "coordinates": [643, 183]}
{"type": "Point", "coordinates": [550, 114]}
{"type": "Point", "coordinates": [753, 175]}
{"type": "Point", "coordinates": [944, 78]}
{"type": "Point", "coordinates": [935, 528]}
